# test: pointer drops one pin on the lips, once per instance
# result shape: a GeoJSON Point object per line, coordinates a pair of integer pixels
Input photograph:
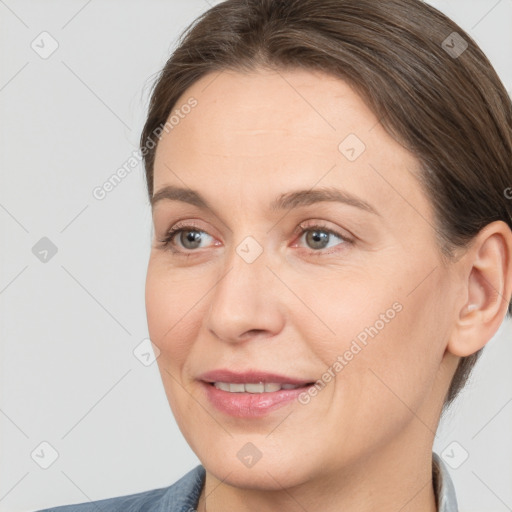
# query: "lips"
{"type": "Point", "coordinates": [250, 394]}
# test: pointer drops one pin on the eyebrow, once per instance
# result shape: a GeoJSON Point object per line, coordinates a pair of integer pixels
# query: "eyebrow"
{"type": "Point", "coordinates": [285, 201]}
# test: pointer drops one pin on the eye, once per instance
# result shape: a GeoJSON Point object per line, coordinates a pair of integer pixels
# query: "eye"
{"type": "Point", "coordinates": [183, 238]}
{"type": "Point", "coordinates": [318, 237]}
{"type": "Point", "coordinates": [187, 237]}
{"type": "Point", "coordinates": [190, 239]}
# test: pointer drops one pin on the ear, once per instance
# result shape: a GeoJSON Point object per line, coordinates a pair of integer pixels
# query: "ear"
{"type": "Point", "coordinates": [486, 271]}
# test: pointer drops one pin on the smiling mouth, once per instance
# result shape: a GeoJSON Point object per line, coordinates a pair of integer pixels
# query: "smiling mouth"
{"type": "Point", "coordinates": [232, 395]}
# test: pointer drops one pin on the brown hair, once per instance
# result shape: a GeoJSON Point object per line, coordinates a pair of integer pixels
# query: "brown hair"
{"type": "Point", "coordinates": [425, 78]}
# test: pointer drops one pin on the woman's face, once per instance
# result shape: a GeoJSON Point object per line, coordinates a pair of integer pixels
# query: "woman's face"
{"type": "Point", "coordinates": [307, 252]}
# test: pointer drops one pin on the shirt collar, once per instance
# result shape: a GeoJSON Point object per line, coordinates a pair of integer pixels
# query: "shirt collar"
{"type": "Point", "coordinates": [443, 486]}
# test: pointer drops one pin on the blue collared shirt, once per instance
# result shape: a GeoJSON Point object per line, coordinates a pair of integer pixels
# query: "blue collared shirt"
{"type": "Point", "coordinates": [183, 495]}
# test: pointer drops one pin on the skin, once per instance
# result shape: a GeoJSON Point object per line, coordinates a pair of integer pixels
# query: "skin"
{"type": "Point", "coordinates": [364, 443]}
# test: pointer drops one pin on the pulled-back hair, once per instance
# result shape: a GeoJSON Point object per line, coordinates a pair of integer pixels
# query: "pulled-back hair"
{"type": "Point", "coordinates": [425, 79]}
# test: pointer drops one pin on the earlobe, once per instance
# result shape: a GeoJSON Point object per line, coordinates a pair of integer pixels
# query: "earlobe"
{"type": "Point", "coordinates": [488, 284]}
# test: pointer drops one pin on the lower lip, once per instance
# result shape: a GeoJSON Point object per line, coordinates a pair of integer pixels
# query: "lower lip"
{"type": "Point", "coordinates": [250, 405]}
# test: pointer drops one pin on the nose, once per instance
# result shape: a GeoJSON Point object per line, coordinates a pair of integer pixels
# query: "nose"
{"type": "Point", "coordinates": [244, 302]}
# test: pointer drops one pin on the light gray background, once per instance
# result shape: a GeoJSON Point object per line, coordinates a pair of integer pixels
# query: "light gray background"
{"type": "Point", "coordinates": [68, 327]}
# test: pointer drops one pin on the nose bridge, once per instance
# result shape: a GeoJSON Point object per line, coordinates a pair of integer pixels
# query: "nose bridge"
{"type": "Point", "coordinates": [242, 300]}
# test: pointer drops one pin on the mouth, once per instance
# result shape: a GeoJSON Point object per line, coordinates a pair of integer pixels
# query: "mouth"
{"type": "Point", "coordinates": [251, 394]}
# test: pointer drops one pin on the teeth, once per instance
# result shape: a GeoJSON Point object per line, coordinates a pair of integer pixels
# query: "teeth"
{"type": "Point", "coordinates": [252, 387]}
{"type": "Point", "coordinates": [236, 388]}
{"type": "Point", "coordinates": [222, 385]}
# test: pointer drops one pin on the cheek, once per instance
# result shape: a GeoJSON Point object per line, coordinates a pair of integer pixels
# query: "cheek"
{"type": "Point", "coordinates": [171, 305]}
{"type": "Point", "coordinates": [173, 310]}
{"type": "Point", "coordinates": [387, 341]}
{"type": "Point", "coordinates": [342, 309]}
{"type": "Point", "coordinates": [332, 301]}
{"type": "Point", "coordinates": [383, 379]}
{"type": "Point", "coordinates": [397, 367]}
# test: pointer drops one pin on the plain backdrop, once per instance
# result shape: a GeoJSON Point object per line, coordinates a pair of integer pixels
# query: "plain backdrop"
{"type": "Point", "coordinates": [74, 81]}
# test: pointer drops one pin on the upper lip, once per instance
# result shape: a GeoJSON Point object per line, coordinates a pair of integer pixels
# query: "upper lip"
{"type": "Point", "coordinates": [250, 376]}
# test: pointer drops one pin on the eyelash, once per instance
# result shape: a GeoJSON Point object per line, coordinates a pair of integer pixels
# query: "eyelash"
{"type": "Point", "coordinates": [166, 242]}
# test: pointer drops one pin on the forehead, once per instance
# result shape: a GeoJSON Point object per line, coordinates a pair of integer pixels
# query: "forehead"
{"type": "Point", "coordinates": [270, 108]}
{"type": "Point", "coordinates": [278, 130]}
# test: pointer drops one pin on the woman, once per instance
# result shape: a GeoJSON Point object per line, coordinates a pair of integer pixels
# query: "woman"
{"type": "Point", "coordinates": [332, 250]}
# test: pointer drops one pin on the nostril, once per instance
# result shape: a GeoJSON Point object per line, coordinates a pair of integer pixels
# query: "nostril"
{"type": "Point", "coordinates": [253, 332]}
